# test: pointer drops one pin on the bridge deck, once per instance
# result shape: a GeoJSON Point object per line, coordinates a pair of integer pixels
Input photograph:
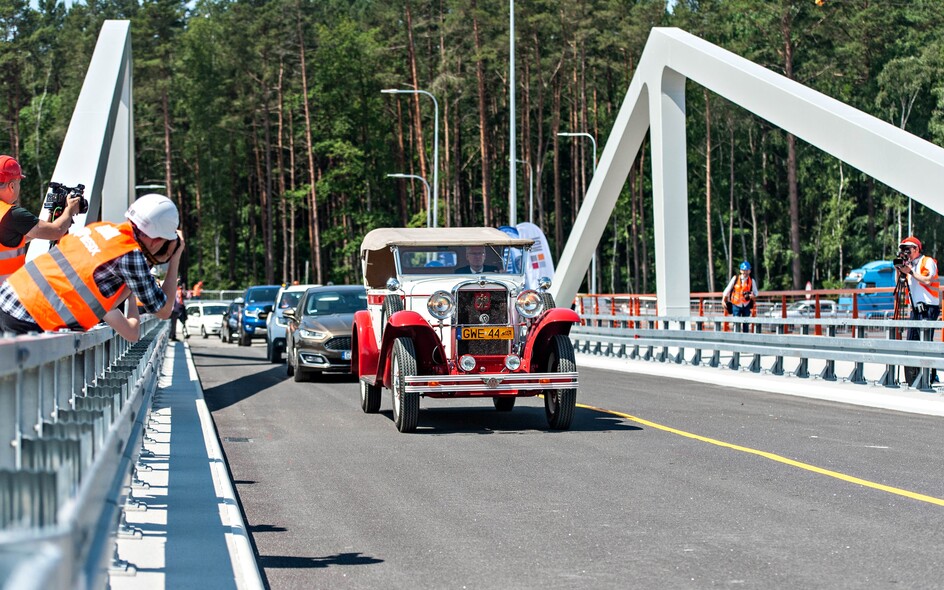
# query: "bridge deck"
{"type": "Point", "coordinates": [188, 532]}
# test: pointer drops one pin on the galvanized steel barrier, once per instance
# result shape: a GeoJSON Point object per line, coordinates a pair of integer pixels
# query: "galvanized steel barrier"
{"type": "Point", "coordinates": [701, 340]}
{"type": "Point", "coordinates": [72, 411]}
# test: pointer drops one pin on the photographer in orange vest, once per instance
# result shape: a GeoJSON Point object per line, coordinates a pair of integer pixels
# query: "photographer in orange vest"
{"type": "Point", "coordinates": [741, 293]}
{"type": "Point", "coordinates": [924, 287]}
{"type": "Point", "coordinates": [94, 269]}
{"type": "Point", "coordinates": [19, 225]}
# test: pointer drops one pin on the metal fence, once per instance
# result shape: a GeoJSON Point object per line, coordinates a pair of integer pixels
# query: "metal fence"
{"type": "Point", "coordinates": [72, 410]}
{"type": "Point", "coordinates": [749, 341]}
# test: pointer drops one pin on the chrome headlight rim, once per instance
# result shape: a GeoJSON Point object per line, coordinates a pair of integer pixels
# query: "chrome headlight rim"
{"type": "Point", "coordinates": [467, 363]}
{"type": "Point", "coordinates": [440, 305]}
{"type": "Point", "coordinates": [512, 362]}
{"type": "Point", "coordinates": [529, 304]}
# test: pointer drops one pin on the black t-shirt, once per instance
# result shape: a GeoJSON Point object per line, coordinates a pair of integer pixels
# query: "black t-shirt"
{"type": "Point", "coordinates": [16, 224]}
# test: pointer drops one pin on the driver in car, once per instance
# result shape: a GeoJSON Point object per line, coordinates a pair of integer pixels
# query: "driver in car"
{"type": "Point", "coordinates": [476, 257]}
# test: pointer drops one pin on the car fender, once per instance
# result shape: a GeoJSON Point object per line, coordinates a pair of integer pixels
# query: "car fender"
{"type": "Point", "coordinates": [430, 355]}
{"type": "Point", "coordinates": [364, 361]}
{"type": "Point", "coordinates": [537, 346]}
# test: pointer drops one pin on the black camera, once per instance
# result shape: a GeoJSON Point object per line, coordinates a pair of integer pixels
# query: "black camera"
{"type": "Point", "coordinates": [56, 198]}
{"type": "Point", "coordinates": [902, 259]}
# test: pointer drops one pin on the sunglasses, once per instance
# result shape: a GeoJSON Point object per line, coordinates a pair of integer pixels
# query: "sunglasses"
{"type": "Point", "coordinates": [163, 250]}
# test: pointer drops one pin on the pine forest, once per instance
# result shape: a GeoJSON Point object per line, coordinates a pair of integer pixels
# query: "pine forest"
{"type": "Point", "coordinates": [265, 122]}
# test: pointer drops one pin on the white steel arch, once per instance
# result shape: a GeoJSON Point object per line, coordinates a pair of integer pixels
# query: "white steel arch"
{"type": "Point", "coordinates": [655, 102]}
{"type": "Point", "coordinates": [98, 149]}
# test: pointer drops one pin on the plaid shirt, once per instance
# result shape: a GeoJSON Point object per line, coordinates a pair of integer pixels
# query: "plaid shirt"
{"type": "Point", "coordinates": [130, 269]}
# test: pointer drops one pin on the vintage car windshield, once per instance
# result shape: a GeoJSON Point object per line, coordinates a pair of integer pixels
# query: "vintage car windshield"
{"type": "Point", "coordinates": [427, 260]}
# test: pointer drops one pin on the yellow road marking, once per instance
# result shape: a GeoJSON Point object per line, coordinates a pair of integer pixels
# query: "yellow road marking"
{"type": "Point", "coordinates": [775, 457]}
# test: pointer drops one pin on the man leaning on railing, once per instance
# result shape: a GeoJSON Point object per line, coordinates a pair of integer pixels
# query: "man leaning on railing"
{"type": "Point", "coordinates": [94, 269]}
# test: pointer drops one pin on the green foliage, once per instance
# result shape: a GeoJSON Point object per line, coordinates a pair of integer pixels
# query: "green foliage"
{"type": "Point", "coordinates": [220, 114]}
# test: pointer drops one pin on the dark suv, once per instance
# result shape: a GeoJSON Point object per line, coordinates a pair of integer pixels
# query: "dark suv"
{"type": "Point", "coordinates": [258, 301]}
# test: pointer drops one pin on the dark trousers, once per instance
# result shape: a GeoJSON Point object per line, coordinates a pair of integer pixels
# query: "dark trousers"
{"type": "Point", "coordinates": [8, 323]}
{"type": "Point", "coordinates": [742, 311]}
{"type": "Point", "coordinates": [921, 311]}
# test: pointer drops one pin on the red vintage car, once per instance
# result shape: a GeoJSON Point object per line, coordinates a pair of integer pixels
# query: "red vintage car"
{"type": "Point", "coordinates": [449, 315]}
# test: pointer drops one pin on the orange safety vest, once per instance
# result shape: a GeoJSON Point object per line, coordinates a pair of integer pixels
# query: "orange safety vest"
{"type": "Point", "coordinates": [740, 291]}
{"type": "Point", "coordinates": [935, 287]}
{"type": "Point", "coordinates": [58, 289]}
{"type": "Point", "coordinates": [11, 259]}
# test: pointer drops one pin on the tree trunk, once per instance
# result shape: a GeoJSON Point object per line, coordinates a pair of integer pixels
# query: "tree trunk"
{"type": "Point", "coordinates": [313, 222]}
{"type": "Point", "coordinates": [280, 164]}
{"type": "Point", "coordinates": [786, 23]}
{"type": "Point", "coordinates": [417, 114]}
{"type": "Point", "coordinates": [483, 119]}
{"type": "Point", "coordinates": [711, 258]}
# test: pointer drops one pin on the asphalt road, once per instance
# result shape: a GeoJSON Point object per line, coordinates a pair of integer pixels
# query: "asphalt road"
{"type": "Point", "coordinates": [697, 486]}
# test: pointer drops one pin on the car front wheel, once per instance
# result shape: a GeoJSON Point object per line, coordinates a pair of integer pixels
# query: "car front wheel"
{"type": "Point", "coordinates": [559, 404]}
{"type": "Point", "coordinates": [300, 374]}
{"type": "Point", "coordinates": [370, 398]}
{"type": "Point", "coordinates": [406, 406]}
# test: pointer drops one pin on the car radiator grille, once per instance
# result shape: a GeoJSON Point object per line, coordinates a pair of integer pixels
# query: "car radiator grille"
{"type": "Point", "coordinates": [468, 315]}
{"type": "Point", "coordinates": [340, 343]}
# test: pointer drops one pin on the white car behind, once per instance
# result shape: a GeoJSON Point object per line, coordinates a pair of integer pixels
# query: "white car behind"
{"type": "Point", "coordinates": [286, 298]}
{"type": "Point", "coordinates": [205, 317]}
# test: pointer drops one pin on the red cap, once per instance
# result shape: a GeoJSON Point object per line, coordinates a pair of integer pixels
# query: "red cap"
{"type": "Point", "coordinates": [911, 241]}
{"type": "Point", "coordinates": [9, 169]}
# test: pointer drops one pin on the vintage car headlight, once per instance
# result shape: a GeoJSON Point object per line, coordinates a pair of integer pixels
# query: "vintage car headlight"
{"type": "Point", "coordinates": [512, 362]}
{"type": "Point", "coordinates": [528, 303]}
{"type": "Point", "coordinates": [544, 283]}
{"type": "Point", "coordinates": [313, 334]}
{"type": "Point", "coordinates": [440, 305]}
{"type": "Point", "coordinates": [467, 362]}
{"type": "Point", "coordinates": [393, 284]}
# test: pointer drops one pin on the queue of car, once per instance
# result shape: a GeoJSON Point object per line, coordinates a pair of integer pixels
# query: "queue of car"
{"type": "Point", "coordinates": [310, 323]}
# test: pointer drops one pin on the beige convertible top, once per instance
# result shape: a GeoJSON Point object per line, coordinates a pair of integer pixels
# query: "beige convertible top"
{"type": "Point", "coordinates": [377, 260]}
{"type": "Point", "coordinates": [380, 239]}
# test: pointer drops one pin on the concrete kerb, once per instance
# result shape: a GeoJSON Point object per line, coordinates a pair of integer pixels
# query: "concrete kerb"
{"type": "Point", "coordinates": [190, 523]}
{"type": "Point", "coordinates": [902, 399]}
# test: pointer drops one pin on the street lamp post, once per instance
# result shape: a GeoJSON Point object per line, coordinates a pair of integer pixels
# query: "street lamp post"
{"type": "Point", "coordinates": [512, 150]}
{"type": "Point", "coordinates": [425, 184]}
{"type": "Point", "coordinates": [530, 191]}
{"type": "Point", "coordinates": [435, 191]}
{"type": "Point", "coordinates": [593, 262]}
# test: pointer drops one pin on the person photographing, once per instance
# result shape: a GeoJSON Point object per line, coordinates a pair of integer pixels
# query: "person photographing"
{"type": "Point", "coordinates": [741, 293]}
{"type": "Point", "coordinates": [19, 225]}
{"type": "Point", "coordinates": [96, 268]}
{"type": "Point", "coordinates": [920, 272]}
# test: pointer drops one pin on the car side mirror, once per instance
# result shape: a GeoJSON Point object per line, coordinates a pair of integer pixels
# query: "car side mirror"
{"type": "Point", "coordinates": [289, 313]}
{"type": "Point", "coordinates": [267, 309]}
{"type": "Point", "coordinates": [195, 314]}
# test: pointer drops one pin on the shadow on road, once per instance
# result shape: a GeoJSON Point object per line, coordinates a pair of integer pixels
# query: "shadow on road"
{"type": "Point", "coordinates": [488, 421]}
{"type": "Point", "coordinates": [233, 392]}
{"type": "Point", "coordinates": [285, 561]}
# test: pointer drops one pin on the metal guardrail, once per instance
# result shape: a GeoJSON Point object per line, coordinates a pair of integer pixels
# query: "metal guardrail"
{"type": "Point", "coordinates": [706, 338]}
{"type": "Point", "coordinates": [72, 409]}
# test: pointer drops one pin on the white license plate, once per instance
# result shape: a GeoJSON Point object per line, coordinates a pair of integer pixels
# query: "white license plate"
{"type": "Point", "coordinates": [346, 355]}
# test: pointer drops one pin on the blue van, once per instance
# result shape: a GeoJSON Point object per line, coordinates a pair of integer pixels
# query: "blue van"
{"type": "Point", "coordinates": [258, 303]}
{"type": "Point", "coordinates": [879, 273]}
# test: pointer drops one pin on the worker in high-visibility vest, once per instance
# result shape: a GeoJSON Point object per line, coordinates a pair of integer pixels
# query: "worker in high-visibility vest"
{"type": "Point", "coordinates": [741, 293]}
{"type": "Point", "coordinates": [94, 269]}
{"type": "Point", "coordinates": [19, 225]}
{"type": "Point", "coordinates": [924, 286]}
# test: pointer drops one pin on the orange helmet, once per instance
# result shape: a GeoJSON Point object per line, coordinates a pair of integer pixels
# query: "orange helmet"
{"type": "Point", "coordinates": [911, 241]}
{"type": "Point", "coordinates": [9, 169]}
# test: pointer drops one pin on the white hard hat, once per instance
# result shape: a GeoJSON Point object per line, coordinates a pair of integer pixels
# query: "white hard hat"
{"type": "Point", "coordinates": [155, 215]}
